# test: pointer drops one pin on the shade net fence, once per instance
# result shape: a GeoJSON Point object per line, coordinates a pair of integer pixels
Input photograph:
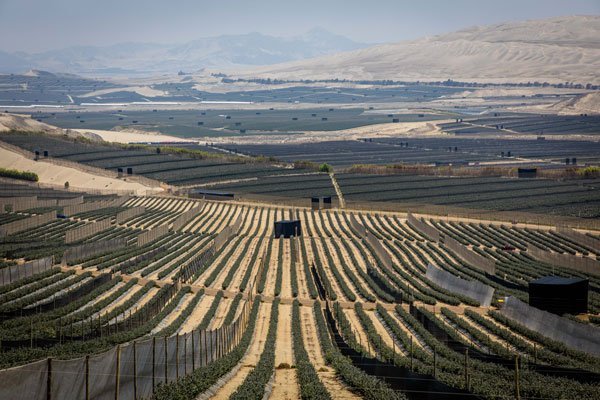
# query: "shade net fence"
{"type": "Point", "coordinates": [152, 234]}
{"type": "Point", "coordinates": [470, 257]}
{"type": "Point", "coordinates": [471, 289]}
{"type": "Point", "coordinates": [423, 228]}
{"type": "Point", "coordinates": [27, 223]}
{"type": "Point", "coordinates": [569, 261]}
{"type": "Point", "coordinates": [128, 372]}
{"type": "Point", "coordinates": [27, 203]}
{"type": "Point", "coordinates": [357, 226]}
{"type": "Point", "coordinates": [227, 233]}
{"type": "Point", "coordinates": [578, 336]}
{"type": "Point", "coordinates": [87, 230]}
{"type": "Point", "coordinates": [123, 216]}
{"type": "Point", "coordinates": [379, 249]}
{"type": "Point", "coordinates": [186, 217]}
{"type": "Point", "coordinates": [69, 202]}
{"type": "Point", "coordinates": [11, 202]}
{"type": "Point", "coordinates": [13, 273]}
{"type": "Point", "coordinates": [94, 205]}
{"type": "Point", "coordinates": [588, 241]}
{"type": "Point", "coordinates": [86, 250]}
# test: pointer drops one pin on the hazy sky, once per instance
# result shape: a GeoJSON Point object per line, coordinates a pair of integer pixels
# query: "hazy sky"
{"type": "Point", "coordinates": [38, 25]}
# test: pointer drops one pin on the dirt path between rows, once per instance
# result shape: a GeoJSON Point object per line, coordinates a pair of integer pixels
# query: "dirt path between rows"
{"type": "Point", "coordinates": [336, 388]}
{"type": "Point", "coordinates": [252, 356]}
{"type": "Point", "coordinates": [286, 385]}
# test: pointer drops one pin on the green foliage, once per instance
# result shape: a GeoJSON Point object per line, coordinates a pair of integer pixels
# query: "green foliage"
{"type": "Point", "coordinates": [211, 312]}
{"type": "Point", "coordinates": [279, 272]}
{"type": "Point", "coordinates": [21, 175]}
{"type": "Point", "coordinates": [325, 168]}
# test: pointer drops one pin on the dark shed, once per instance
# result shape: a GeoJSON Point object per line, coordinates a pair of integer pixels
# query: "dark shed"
{"type": "Point", "coordinates": [559, 295]}
{"type": "Point", "coordinates": [288, 228]}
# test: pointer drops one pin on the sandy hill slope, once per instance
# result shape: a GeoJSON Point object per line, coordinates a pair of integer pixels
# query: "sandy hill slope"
{"type": "Point", "coordinates": [552, 50]}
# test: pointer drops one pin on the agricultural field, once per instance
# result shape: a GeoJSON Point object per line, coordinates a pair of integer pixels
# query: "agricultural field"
{"type": "Point", "coordinates": [175, 169]}
{"type": "Point", "coordinates": [531, 124]}
{"type": "Point", "coordinates": [63, 89]}
{"type": "Point", "coordinates": [234, 122]}
{"type": "Point", "coordinates": [580, 198]}
{"type": "Point", "coordinates": [344, 154]}
{"type": "Point", "coordinates": [190, 298]}
{"type": "Point", "coordinates": [535, 152]}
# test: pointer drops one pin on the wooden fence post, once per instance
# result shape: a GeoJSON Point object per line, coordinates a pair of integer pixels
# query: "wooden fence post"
{"type": "Point", "coordinates": [467, 369]}
{"type": "Point", "coordinates": [117, 372]}
{"type": "Point", "coordinates": [517, 389]}
{"type": "Point", "coordinates": [166, 360]}
{"type": "Point", "coordinates": [49, 380]}
{"type": "Point", "coordinates": [87, 377]}
{"type": "Point", "coordinates": [153, 363]}
{"type": "Point", "coordinates": [134, 371]}
{"type": "Point", "coordinates": [177, 356]}
{"type": "Point", "coordinates": [193, 353]}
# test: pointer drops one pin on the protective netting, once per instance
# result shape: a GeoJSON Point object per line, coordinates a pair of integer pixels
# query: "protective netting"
{"type": "Point", "coordinates": [470, 257]}
{"type": "Point", "coordinates": [227, 233]}
{"type": "Point", "coordinates": [94, 205]}
{"type": "Point", "coordinates": [423, 228]}
{"type": "Point", "coordinates": [102, 375]}
{"type": "Point", "coordinates": [27, 382]}
{"type": "Point", "coordinates": [14, 202]}
{"type": "Point", "coordinates": [69, 202]}
{"type": "Point", "coordinates": [152, 234]}
{"type": "Point", "coordinates": [123, 216]}
{"type": "Point", "coordinates": [87, 230]}
{"type": "Point", "coordinates": [13, 273]}
{"type": "Point", "coordinates": [579, 237]}
{"type": "Point", "coordinates": [68, 379]}
{"type": "Point", "coordinates": [471, 289]}
{"type": "Point", "coordinates": [27, 223]}
{"type": "Point", "coordinates": [26, 203]}
{"type": "Point", "coordinates": [143, 361]}
{"type": "Point", "coordinates": [90, 249]}
{"type": "Point", "coordinates": [187, 216]}
{"type": "Point", "coordinates": [578, 336]}
{"type": "Point", "coordinates": [570, 261]}
{"type": "Point", "coordinates": [127, 372]}
{"type": "Point", "coordinates": [357, 226]}
{"type": "Point", "coordinates": [378, 247]}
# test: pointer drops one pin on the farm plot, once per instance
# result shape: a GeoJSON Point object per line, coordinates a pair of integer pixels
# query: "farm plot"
{"type": "Point", "coordinates": [170, 168]}
{"type": "Point", "coordinates": [333, 279]}
{"type": "Point", "coordinates": [503, 194]}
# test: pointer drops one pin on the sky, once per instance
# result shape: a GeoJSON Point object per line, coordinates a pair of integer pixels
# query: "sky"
{"type": "Point", "coordinates": [39, 25]}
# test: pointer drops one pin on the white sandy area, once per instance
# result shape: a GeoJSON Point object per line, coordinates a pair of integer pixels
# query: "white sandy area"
{"type": "Point", "coordinates": [49, 173]}
{"type": "Point", "coordinates": [129, 137]}
{"type": "Point", "coordinates": [402, 129]}
{"type": "Point", "coordinates": [24, 123]}
{"type": "Point", "coordinates": [141, 90]}
{"type": "Point", "coordinates": [584, 104]}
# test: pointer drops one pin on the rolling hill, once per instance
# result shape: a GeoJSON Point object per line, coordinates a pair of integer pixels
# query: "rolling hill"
{"type": "Point", "coordinates": [554, 50]}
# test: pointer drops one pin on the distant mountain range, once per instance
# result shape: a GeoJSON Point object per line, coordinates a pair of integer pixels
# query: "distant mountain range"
{"type": "Point", "coordinates": [555, 50]}
{"type": "Point", "coordinates": [214, 52]}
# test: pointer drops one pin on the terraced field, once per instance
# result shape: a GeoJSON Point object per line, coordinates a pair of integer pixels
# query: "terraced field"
{"type": "Point", "coordinates": [180, 170]}
{"type": "Point", "coordinates": [197, 299]}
